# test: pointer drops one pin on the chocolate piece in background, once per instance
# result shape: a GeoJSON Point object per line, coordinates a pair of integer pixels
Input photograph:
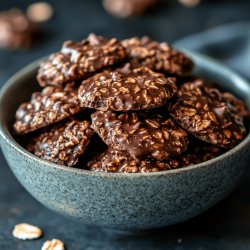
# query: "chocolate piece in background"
{"type": "Point", "coordinates": [16, 30]}
{"type": "Point", "coordinates": [115, 161]}
{"type": "Point", "coordinates": [142, 136]}
{"type": "Point", "coordinates": [63, 143]}
{"type": "Point", "coordinates": [39, 12]}
{"type": "Point", "coordinates": [205, 113]}
{"type": "Point", "coordinates": [78, 60]}
{"type": "Point", "coordinates": [157, 56]}
{"type": "Point", "coordinates": [127, 88]}
{"type": "Point", "coordinates": [128, 8]}
{"type": "Point", "coordinates": [51, 105]}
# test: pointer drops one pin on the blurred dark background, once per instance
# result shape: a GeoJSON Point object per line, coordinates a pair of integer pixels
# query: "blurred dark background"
{"type": "Point", "coordinates": [75, 19]}
{"type": "Point", "coordinates": [227, 225]}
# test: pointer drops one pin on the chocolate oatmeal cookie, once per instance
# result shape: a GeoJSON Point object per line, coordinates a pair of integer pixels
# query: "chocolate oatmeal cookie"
{"type": "Point", "coordinates": [142, 137]}
{"type": "Point", "coordinates": [204, 112]}
{"type": "Point", "coordinates": [77, 60]}
{"type": "Point", "coordinates": [205, 151]}
{"type": "Point", "coordinates": [126, 89]}
{"type": "Point", "coordinates": [63, 143]}
{"type": "Point", "coordinates": [50, 105]}
{"type": "Point", "coordinates": [120, 161]}
{"type": "Point", "coordinates": [157, 56]}
{"type": "Point", "coordinates": [144, 106]}
{"type": "Point", "coordinates": [237, 103]}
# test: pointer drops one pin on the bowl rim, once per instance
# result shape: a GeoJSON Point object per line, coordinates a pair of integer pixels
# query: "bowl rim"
{"type": "Point", "coordinates": [240, 28]}
{"type": "Point", "coordinates": [210, 62]}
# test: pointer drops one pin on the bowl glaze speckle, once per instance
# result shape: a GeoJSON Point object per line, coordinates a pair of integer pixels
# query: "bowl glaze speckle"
{"type": "Point", "coordinates": [128, 202]}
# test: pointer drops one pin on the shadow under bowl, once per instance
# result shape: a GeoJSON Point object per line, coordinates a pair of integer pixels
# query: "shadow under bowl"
{"type": "Point", "coordinates": [130, 202]}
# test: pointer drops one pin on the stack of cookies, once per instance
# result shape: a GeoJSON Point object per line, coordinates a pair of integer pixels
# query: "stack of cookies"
{"type": "Point", "coordinates": [138, 96]}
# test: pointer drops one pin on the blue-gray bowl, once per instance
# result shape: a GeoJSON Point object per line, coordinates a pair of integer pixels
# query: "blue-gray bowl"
{"type": "Point", "coordinates": [139, 201]}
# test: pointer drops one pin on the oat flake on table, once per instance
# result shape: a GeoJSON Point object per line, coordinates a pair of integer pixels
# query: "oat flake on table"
{"type": "Point", "coordinates": [54, 244]}
{"type": "Point", "coordinates": [25, 231]}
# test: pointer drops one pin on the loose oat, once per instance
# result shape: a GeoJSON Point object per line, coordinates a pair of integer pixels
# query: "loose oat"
{"type": "Point", "coordinates": [53, 244]}
{"type": "Point", "coordinates": [25, 231]}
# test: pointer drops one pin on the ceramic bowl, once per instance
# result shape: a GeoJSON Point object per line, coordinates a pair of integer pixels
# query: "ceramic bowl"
{"type": "Point", "coordinates": [128, 202]}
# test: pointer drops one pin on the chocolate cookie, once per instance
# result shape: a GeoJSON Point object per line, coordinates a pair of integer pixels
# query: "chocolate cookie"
{"type": "Point", "coordinates": [204, 112]}
{"type": "Point", "coordinates": [157, 56]}
{"type": "Point", "coordinates": [142, 137]}
{"type": "Point", "coordinates": [63, 143]}
{"type": "Point", "coordinates": [236, 103]}
{"type": "Point", "coordinates": [77, 60]}
{"type": "Point", "coordinates": [120, 161]}
{"type": "Point", "coordinates": [205, 151]}
{"type": "Point", "coordinates": [126, 88]}
{"type": "Point", "coordinates": [16, 30]}
{"type": "Point", "coordinates": [50, 105]}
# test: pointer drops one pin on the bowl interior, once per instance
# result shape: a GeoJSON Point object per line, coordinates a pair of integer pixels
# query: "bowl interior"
{"type": "Point", "coordinates": [20, 87]}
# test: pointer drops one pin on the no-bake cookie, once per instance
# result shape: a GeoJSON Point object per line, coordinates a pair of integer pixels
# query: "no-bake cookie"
{"type": "Point", "coordinates": [126, 89]}
{"type": "Point", "coordinates": [142, 137]}
{"type": "Point", "coordinates": [49, 106]}
{"type": "Point", "coordinates": [157, 56]}
{"type": "Point", "coordinates": [204, 112]}
{"type": "Point", "coordinates": [63, 143]}
{"type": "Point", "coordinates": [77, 60]}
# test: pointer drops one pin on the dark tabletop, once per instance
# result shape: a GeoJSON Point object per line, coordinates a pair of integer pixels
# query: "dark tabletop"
{"type": "Point", "coordinates": [226, 226]}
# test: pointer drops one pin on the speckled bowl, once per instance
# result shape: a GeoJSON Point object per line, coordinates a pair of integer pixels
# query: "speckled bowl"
{"type": "Point", "coordinates": [124, 201]}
